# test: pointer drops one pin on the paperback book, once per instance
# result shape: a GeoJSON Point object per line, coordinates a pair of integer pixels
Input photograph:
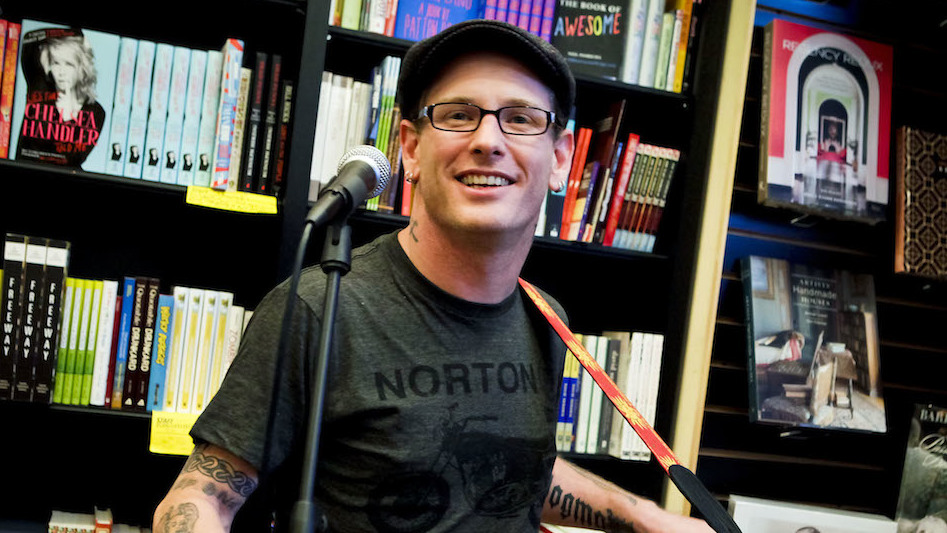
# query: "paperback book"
{"type": "Point", "coordinates": [922, 502]}
{"type": "Point", "coordinates": [825, 122]}
{"type": "Point", "coordinates": [813, 346]}
{"type": "Point", "coordinates": [591, 36]}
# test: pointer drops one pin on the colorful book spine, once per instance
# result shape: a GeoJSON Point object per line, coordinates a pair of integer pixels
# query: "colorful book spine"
{"type": "Point", "coordinates": [651, 43]}
{"type": "Point", "coordinates": [147, 343]}
{"type": "Point", "coordinates": [7, 84]}
{"type": "Point", "coordinates": [227, 112]}
{"type": "Point", "coordinates": [549, 17]}
{"type": "Point", "coordinates": [162, 353]}
{"type": "Point", "coordinates": [270, 123]}
{"type": "Point", "coordinates": [239, 129]}
{"type": "Point", "coordinates": [207, 133]}
{"type": "Point", "coordinates": [57, 261]}
{"type": "Point", "coordinates": [177, 350]}
{"type": "Point", "coordinates": [621, 186]}
{"type": "Point", "coordinates": [121, 350]}
{"type": "Point", "coordinates": [14, 263]}
{"type": "Point", "coordinates": [33, 275]}
{"type": "Point", "coordinates": [254, 125]}
{"type": "Point", "coordinates": [103, 343]}
{"type": "Point", "coordinates": [138, 116]}
{"type": "Point", "coordinates": [174, 124]}
{"type": "Point", "coordinates": [121, 106]}
{"type": "Point", "coordinates": [91, 342]}
{"type": "Point", "coordinates": [157, 111]}
{"type": "Point", "coordinates": [62, 352]}
{"type": "Point", "coordinates": [190, 130]}
{"type": "Point", "coordinates": [78, 338]}
{"type": "Point", "coordinates": [135, 339]}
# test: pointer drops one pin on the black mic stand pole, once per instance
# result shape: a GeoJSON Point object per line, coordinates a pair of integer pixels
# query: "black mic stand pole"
{"type": "Point", "coordinates": [336, 262]}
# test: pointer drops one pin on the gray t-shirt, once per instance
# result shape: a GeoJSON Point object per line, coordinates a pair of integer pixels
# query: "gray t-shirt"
{"type": "Point", "coordinates": [440, 413]}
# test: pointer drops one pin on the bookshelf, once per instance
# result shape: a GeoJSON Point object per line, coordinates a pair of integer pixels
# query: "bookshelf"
{"type": "Point", "coordinates": [855, 471]}
{"type": "Point", "coordinates": [107, 220]}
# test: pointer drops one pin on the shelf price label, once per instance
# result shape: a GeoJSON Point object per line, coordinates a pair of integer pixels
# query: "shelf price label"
{"type": "Point", "coordinates": [169, 433]}
{"type": "Point", "coordinates": [242, 202]}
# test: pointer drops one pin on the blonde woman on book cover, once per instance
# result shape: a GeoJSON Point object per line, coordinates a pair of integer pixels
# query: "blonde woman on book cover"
{"type": "Point", "coordinates": [442, 397]}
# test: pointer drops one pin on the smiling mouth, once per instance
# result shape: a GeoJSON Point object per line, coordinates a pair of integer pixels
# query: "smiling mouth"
{"type": "Point", "coordinates": [474, 180]}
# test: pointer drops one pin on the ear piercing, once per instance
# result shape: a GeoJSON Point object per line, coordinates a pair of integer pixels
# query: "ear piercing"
{"type": "Point", "coordinates": [409, 177]}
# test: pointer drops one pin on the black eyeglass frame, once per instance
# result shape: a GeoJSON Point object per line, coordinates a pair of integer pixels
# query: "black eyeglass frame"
{"type": "Point", "coordinates": [426, 112]}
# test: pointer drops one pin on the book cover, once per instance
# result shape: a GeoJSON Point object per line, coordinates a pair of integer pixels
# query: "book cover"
{"type": "Point", "coordinates": [227, 111]}
{"type": "Point", "coordinates": [591, 36]}
{"type": "Point", "coordinates": [419, 19]}
{"type": "Point", "coordinates": [920, 202]}
{"type": "Point", "coordinates": [53, 307]}
{"type": "Point", "coordinates": [62, 103]}
{"type": "Point", "coordinates": [239, 129]}
{"type": "Point", "coordinates": [176, 349]}
{"type": "Point", "coordinates": [121, 349]}
{"type": "Point", "coordinates": [174, 123]}
{"type": "Point", "coordinates": [29, 321]}
{"type": "Point", "coordinates": [121, 106]}
{"type": "Point", "coordinates": [190, 129]}
{"type": "Point", "coordinates": [813, 346]}
{"type": "Point", "coordinates": [62, 350]}
{"type": "Point", "coordinates": [254, 125]}
{"type": "Point", "coordinates": [147, 344]}
{"type": "Point", "coordinates": [14, 264]}
{"type": "Point", "coordinates": [103, 342]}
{"type": "Point", "coordinates": [138, 114]}
{"type": "Point", "coordinates": [11, 44]}
{"type": "Point", "coordinates": [825, 122]}
{"type": "Point", "coordinates": [207, 131]}
{"type": "Point", "coordinates": [922, 497]}
{"type": "Point", "coordinates": [270, 122]}
{"type": "Point", "coordinates": [157, 112]}
{"type": "Point", "coordinates": [755, 514]}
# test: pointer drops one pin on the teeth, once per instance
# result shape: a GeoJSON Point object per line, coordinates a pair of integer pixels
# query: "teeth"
{"type": "Point", "coordinates": [484, 181]}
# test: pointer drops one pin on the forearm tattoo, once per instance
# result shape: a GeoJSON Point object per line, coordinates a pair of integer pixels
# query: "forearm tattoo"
{"type": "Point", "coordinates": [178, 519]}
{"type": "Point", "coordinates": [569, 505]}
{"type": "Point", "coordinates": [225, 497]}
{"type": "Point", "coordinates": [220, 471]}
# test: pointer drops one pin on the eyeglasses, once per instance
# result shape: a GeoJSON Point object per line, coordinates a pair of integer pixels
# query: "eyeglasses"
{"type": "Point", "coordinates": [513, 120]}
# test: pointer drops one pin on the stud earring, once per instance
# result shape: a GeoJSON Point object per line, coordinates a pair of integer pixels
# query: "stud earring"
{"type": "Point", "coordinates": [409, 177]}
{"type": "Point", "coordinates": [558, 186]}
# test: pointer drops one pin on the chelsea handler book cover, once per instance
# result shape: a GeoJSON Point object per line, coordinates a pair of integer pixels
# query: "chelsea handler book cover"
{"type": "Point", "coordinates": [63, 98]}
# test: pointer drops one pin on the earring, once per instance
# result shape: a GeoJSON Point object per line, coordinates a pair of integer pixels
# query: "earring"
{"type": "Point", "coordinates": [557, 187]}
{"type": "Point", "coordinates": [409, 177]}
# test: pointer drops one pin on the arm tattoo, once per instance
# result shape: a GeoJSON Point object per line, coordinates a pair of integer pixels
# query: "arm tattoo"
{"type": "Point", "coordinates": [225, 498]}
{"type": "Point", "coordinates": [221, 471]}
{"type": "Point", "coordinates": [584, 514]}
{"type": "Point", "coordinates": [178, 519]}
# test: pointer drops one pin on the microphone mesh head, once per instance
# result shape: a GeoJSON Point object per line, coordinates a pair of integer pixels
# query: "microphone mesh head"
{"type": "Point", "coordinates": [374, 157]}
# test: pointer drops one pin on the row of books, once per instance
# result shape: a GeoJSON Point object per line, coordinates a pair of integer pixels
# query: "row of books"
{"type": "Point", "coordinates": [588, 422]}
{"type": "Point", "coordinates": [105, 343]}
{"type": "Point", "coordinates": [145, 110]}
{"type": "Point", "coordinates": [100, 521]}
{"type": "Point", "coordinates": [352, 113]}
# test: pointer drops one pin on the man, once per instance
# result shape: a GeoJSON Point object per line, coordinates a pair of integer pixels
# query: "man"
{"type": "Point", "coordinates": [442, 393]}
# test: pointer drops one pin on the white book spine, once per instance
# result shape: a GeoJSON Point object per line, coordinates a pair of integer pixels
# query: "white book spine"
{"type": "Point", "coordinates": [628, 434]}
{"type": "Point", "coordinates": [176, 354]}
{"type": "Point", "coordinates": [195, 305]}
{"type": "Point", "coordinates": [639, 450]}
{"type": "Point", "coordinates": [157, 112]}
{"type": "Point", "coordinates": [595, 409]}
{"type": "Point", "coordinates": [339, 106]}
{"type": "Point", "coordinates": [226, 112]}
{"type": "Point", "coordinates": [103, 348]}
{"type": "Point", "coordinates": [205, 350]}
{"type": "Point", "coordinates": [138, 117]}
{"type": "Point", "coordinates": [121, 106]}
{"type": "Point", "coordinates": [234, 334]}
{"type": "Point", "coordinates": [318, 145]}
{"type": "Point", "coordinates": [585, 398]}
{"type": "Point", "coordinates": [174, 126]}
{"type": "Point", "coordinates": [190, 129]}
{"type": "Point", "coordinates": [208, 127]}
{"type": "Point", "coordinates": [634, 41]}
{"type": "Point", "coordinates": [654, 382]}
{"type": "Point", "coordinates": [216, 363]}
{"type": "Point", "coordinates": [675, 49]}
{"type": "Point", "coordinates": [652, 40]}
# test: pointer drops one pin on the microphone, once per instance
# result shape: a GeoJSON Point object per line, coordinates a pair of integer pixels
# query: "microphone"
{"type": "Point", "coordinates": [363, 173]}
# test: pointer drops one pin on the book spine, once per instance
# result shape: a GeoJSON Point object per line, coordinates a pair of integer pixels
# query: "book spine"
{"type": "Point", "coordinates": [227, 111]}
{"type": "Point", "coordinates": [675, 50]}
{"type": "Point", "coordinates": [536, 17]}
{"type": "Point", "coordinates": [33, 280]}
{"type": "Point", "coordinates": [62, 351]}
{"type": "Point", "coordinates": [103, 342]}
{"type": "Point", "coordinates": [91, 341]}
{"type": "Point", "coordinates": [3, 122]}
{"type": "Point", "coordinates": [138, 116]}
{"type": "Point", "coordinates": [282, 139]}
{"type": "Point", "coordinates": [190, 129]}
{"type": "Point", "coordinates": [621, 188]}
{"type": "Point", "coordinates": [205, 350]}
{"type": "Point", "coordinates": [57, 261]}
{"type": "Point", "coordinates": [207, 132]}
{"type": "Point", "coordinates": [116, 319]}
{"type": "Point", "coordinates": [377, 16]}
{"type": "Point", "coordinates": [634, 41]}
{"type": "Point", "coordinates": [177, 350]}
{"type": "Point", "coordinates": [651, 44]}
{"type": "Point", "coordinates": [525, 13]}
{"type": "Point", "coordinates": [251, 155]}
{"type": "Point", "coordinates": [7, 85]}
{"type": "Point", "coordinates": [147, 344]}
{"type": "Point", "coordinates": [234, 332]}
{"type": "Point", "coordinates": [686, 9]}
{"type": "Point", "coordinates": [664, 51]}
{"type": "Point", "coordinates": [549, 17]}
{"type": "Point", "coordinates": [216, 363]}
{"type": "Point", "coordinates": [270, 122]}
{"type": "Point", "coordinates": [121, 106]}
{"type": "Point", "coordinates": [124, 332]}
{"type": "Point", "coordinates": [239, 129]}
{"type": "Point", "coordinates": [135, 338]}
{"type": "Point", "coordinates": [503, 7]}
{"type": "Point", "coordinates": [78, 339]}
{"type": "Point", "coordinates": [14, 264]}
{"type": "Point", "coordinates": [161, 353]}
{"type": "Point", "coordinates": [189, 354]}
{"type": "Point", "coordinates": [174, 124]}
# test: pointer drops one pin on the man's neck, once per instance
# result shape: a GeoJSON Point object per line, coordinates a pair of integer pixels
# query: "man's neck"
{"type": "Point", "coordinates": [476, 268]}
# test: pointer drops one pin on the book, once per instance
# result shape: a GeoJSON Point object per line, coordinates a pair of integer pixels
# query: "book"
{"type": "Point", "coordinates": [29, 320]}
{"type": "Point", "coordinates": [88, 340]}
{"type": "Point", "coordinates": [664, 51]}
{"type": "Point", "coordinates": [78, 339]}
{"type": "Point", "coordinates": [217, 364]}
{"type": "Point", "coordinates": [634, 40]}
{"type": "Point", "coordinates": [583, 139]}
{"type": "Point", "coordinates": [62, 351]}
{"type": "Point", "coordinates": [63, 123]}
{"type": "Point", "coordinates": [318, 144]}
{"type": "Point", "coordinates": [174, 367]}
{"type": "Point", "coordinates": [419, 19]}
{"type": "Point", "coordinates": [651, 42]}
{"type": "Point", "coordinates": [281, 142]}
{"type": "Point", "coordinates": [136, 326]}
{"type": "Point", "coordinates": [207, 131]}
{"type": "Point", "coordinates": [57, 264]}
{"type": "Point", "coordinates": [686, 9]}
{"type": "Point", "coordinates": [190, 129]}
{"type": "Point", "coordinates": [11, 43]}
{"type": "Point", "coordinates": [174, 123]}
{"type": "Point", "coordinates": [623, 339]}
{"type": "Point", "coordinates": [14, 264]}
{"type": "Point", "coordinates": [143, 377]}
{"type": "Point", "coordinates": [254, 124]}
{"type": "Point", "coordinates": [3, 46]}
{"type": "Point", "coordinates": [812, 329]}
{"type": "Point", "coordinates": [121, 349]}
{"type": "Point", "coordinates": [756, 514]}
{"type": "Point", "coordinates": [138, 114]}
{"type": "Point", "coordinates": [825, 122]}
{"type": "Point", "coordinates": [103, 343]}
{"type": "Point", "coordinates": [121, 106]}
{"type": "Point", "coordinates": [226, 112]}
{"type": "Point", "coordinates": [591, 36]}
{"type": "Point", "coordinates": [920, 200]}
{"type": "Point", "coordinates": [189, 352]}
{"type": "Point", "coordinates": [239, 129]}
{"type": "Point", "coordinates": [270, 121]}
{"type": "Point", "coordinates": [621, 188]}
{"type": "Point", "coordinates": [206, 339]}
{"type": "Point", "coordinates": [113, 348]}
{"type": "Point", "coordinates": [922, 491]}
{"type": "Point", "coordinates": [157, 112]}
